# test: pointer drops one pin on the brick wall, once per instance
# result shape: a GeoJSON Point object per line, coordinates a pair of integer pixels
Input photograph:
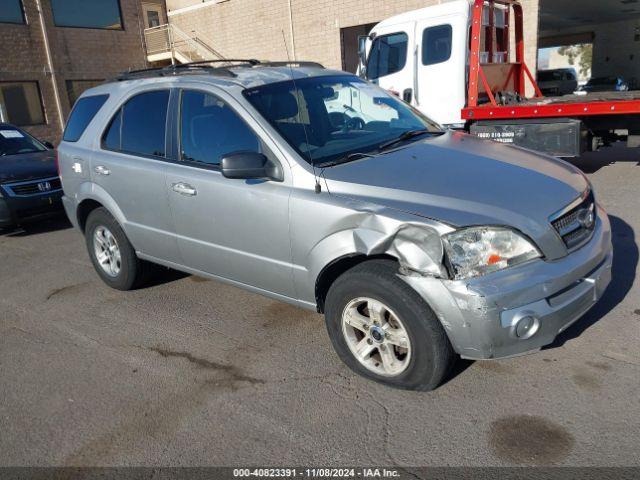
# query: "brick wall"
{"type": "Point", "coordinates": [78, 54]}
{"type": "Point", "coordinates": [254, 28]}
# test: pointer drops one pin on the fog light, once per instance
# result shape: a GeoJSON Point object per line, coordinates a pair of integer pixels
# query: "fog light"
{"type": "Point", "coordinates": [527, 327]}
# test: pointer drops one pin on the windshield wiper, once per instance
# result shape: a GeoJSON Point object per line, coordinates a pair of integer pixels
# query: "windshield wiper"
{"type": "Point", "coordinates": [347, 158]}
{"type": "Point", "coordinates": [409, 134]}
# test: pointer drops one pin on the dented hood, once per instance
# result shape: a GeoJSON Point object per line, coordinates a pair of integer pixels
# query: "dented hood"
{"type": "Point", "coordinates": [460, 180]}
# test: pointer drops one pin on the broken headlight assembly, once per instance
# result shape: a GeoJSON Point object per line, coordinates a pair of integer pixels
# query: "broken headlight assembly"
{"type": "Point", "coordinates": [476, 251]}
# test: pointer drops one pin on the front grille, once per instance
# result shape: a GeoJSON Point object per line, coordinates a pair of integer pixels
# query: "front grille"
{"type": "Point", "coordinates": [576, 226]}
{"type": "Point", "coordinates": [41, 186]}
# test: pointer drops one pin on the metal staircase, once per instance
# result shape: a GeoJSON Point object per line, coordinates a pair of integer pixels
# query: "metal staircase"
{"type": "Point", "coordinates": [168, 42]}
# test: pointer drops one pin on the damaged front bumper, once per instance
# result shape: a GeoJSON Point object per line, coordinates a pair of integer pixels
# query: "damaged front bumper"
{"type": "Point", "coordinates": [524, 308]}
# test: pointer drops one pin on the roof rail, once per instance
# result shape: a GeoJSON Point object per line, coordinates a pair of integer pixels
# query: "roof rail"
{"type": "Point", "coordinates": [292, 63]}
{"type": "Point", "coordinates": [210, 67]}
{"type": "Point", "coordinates": [172, 70]}
{"type": "Point", "coordinates": [235, 62]}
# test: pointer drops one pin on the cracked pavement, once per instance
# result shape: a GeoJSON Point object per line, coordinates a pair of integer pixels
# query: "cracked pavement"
{"type": "Point", "coordinates": [193, 372]}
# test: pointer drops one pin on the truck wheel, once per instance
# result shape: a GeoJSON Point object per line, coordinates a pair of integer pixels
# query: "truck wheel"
{"type": "Point", "coordinates": [382, 329]}
{"type": "Point", "coordinates": [111, 253]}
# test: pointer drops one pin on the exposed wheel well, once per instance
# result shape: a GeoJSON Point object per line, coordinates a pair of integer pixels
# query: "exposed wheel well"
{"type": "Point", "coordinates": [337, 267]}
{"type": "Point", "coordinates": [84, 209]}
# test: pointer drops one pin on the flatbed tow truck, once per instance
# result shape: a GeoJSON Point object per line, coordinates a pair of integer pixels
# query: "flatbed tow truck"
{"type": "Point", "coordinates": [460, 64]}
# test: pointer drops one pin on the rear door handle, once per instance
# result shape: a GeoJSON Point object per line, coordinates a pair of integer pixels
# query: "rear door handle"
{"type": "Point", "coordinates": [184, 189]}
{"type": "Point", "coordinates": [102, 170]}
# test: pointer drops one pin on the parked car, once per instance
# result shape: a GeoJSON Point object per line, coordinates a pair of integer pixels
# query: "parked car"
{"type": "Point", "coordinates": [29, 184]}
{"type": "Point", "coordinates": [417, 243]}
{"type": "Point", "coordinates": [559, 81]}
{"type": "Point", "coordinates": [606, 84]}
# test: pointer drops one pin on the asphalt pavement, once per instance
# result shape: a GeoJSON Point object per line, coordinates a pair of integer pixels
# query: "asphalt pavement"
{"type": "Point", "coordinates": [192, 372]}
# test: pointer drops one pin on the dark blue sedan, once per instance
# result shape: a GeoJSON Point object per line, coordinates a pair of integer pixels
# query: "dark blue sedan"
{"type": "Point", "coordinates": [30, 187]}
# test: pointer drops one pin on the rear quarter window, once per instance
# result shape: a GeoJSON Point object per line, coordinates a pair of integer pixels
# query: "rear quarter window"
{"type": "Point", "coordinates": [83, 112]}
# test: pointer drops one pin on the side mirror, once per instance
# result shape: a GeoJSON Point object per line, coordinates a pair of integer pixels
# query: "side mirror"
{"type": "Point", "coordinates": [362, 55]}
{"type": "Point", "coordinates": [49, 145]}
{"type": "Point", "coordinates": [250, 165]}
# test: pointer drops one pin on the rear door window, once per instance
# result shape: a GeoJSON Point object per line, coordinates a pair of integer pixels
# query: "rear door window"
{"type": "Point", "coordinates": [436, 44]}
{"type": "Point", "coordinates": [140, 125]}
{"type": "Point", "coordinates": [210, 129]}
{"type": "Point", "coordinates": [388, 55]}
{"type": "Point", "coordinates": [83, 112]}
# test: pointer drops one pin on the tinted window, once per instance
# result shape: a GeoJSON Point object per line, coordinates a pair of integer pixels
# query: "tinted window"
{"type": "Point", "coordinates": [87, 13]}
{"type": "Point", "coordinates": [111, 139]}
{"type": "Point", "coordinates": [11, 11]}
{"type": "Point", "coordinates": [20, 103]}
{"type": "Point", "coordinates": [140, 125]}
{"type": "Point", "coordinates": [210, 129]}
{"type": "Point", "coordinates": [549, 75]}
{"type": "Point", "coordinates": [16, 142]}
{"type": "Point", "coordinates": [81, 116]}
{"type": "Point", "coordinates": [388, 55]}
{"type": "Point", "coordinates": [436, 44]}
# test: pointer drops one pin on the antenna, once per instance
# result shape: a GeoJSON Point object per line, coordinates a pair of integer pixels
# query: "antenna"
{"type": "Point", "coordinates": [318, 189]}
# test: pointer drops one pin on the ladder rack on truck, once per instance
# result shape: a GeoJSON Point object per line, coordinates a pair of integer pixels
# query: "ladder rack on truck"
{"type": "Point", "coordinates": [454, 62]}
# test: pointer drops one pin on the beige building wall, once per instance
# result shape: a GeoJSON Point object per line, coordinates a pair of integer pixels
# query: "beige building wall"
{"type": "Point", "coordinates": [254, 28]}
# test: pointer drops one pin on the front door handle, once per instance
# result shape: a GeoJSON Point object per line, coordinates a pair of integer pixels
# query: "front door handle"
{"type": "Point", "coordinates": [184, 189]}
{"type": "Point", "coordinates": [102, 170]}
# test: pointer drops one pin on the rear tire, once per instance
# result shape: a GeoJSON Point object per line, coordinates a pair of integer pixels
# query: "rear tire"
{"type": "Point", "coordinates": [111, 253]}
{"type": "Point", "coordinates": [383, 330]}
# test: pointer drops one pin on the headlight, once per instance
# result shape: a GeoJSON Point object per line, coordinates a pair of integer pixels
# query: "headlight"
{"type": "Point", "coordinates": [477, 251]}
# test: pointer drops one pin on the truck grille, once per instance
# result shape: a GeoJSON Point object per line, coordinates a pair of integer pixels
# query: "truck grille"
{"type": "Point", "coordinates": [30, 188]}
{"type": "Point", "coordinates": [576, 226]}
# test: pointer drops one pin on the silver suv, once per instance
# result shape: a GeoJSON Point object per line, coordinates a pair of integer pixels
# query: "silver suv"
{"type": "Point", "coordinates": [319, 189]}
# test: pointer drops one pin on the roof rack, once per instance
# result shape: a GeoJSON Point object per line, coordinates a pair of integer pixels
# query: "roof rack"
{"type": "Point", "coordinates": [210, 67]}
{"type": "Point", "coordinates": [292, 63]}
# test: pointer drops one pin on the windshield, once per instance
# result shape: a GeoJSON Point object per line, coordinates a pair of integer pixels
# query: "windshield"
{"type": "Point", "coordinates": [15, 142]}
{"type": "Point", "coordinates": [329, 118]}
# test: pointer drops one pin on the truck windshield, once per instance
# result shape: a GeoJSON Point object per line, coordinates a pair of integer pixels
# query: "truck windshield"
{"type": "Point", "coordinates": [329, 118]}
{"type": "Point", "coordinates": [15, 142]}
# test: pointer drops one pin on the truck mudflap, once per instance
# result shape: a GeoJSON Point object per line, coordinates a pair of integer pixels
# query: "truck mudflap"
{"type": "Point", "coordinates": [560, 137]}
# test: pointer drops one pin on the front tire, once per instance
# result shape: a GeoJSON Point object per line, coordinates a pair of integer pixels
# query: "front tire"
{"type": "Point", "coordinates": [111, 253]}
{"type": "Point", "coordinates": [383, 330]}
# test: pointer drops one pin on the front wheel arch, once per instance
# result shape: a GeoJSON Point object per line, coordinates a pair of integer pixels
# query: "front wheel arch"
{"type": "Point", "coordinates": [333, 270]}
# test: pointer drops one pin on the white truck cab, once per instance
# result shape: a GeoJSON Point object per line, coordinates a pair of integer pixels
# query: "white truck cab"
{"type": "Point", "coordinates": [462, 64]}
{"type": "Point", "coordinates": [422, 56]}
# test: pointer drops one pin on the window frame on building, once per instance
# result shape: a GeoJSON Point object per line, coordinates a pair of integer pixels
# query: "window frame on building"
{"type": "Point", "coordinates": [40, 103]}
{"type": "Point", "coordinates": [121, 17]}
{"type": "Point", "coordinates": [24, 17]}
